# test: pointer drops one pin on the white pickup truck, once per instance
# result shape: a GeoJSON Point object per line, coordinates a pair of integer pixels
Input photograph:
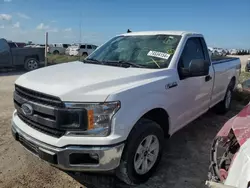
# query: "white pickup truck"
{"type": "Point", "coordinates": [111, 112]}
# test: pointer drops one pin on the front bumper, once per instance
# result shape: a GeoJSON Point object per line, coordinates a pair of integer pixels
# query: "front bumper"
{"type": "Point", "coordinates": [72, 158]}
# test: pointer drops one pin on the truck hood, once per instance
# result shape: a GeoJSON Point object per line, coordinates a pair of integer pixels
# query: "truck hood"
{"type": "Point", "coordinates": [77, 81]}
{"type": "Point", "coordinates": [240, 124]}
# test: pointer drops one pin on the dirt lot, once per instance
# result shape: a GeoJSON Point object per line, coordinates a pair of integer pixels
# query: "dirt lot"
{"type": "Point", "coordinates": [184, 164]}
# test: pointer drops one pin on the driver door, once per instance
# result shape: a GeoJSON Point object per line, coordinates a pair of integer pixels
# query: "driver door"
{"type": "Point", "coordinates": [194, 92]}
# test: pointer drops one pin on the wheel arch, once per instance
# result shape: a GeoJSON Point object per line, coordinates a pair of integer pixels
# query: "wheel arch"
{"type": "Point", "coordinates": [31, 56]}
{"type": "Point", "coordinates": [158, 115]}
{"type": "Point", "coordinates": [232, 83]}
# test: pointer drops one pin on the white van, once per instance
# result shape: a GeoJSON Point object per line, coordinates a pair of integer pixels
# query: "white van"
{"type": "Point", "coordinates": [58, 48]}
{"type": "Point", "coordinates": [81, 49]}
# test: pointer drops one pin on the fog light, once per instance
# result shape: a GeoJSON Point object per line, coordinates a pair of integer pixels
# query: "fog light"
{"type": "Point", "coordinates": [82, 159]}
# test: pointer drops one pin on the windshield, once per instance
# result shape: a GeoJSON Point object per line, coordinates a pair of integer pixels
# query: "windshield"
{"type": "Point", "coordinates": [148, 51]}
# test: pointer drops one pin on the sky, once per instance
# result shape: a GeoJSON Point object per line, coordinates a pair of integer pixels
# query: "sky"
{"type": "Point", "coordinates": [224, 23]}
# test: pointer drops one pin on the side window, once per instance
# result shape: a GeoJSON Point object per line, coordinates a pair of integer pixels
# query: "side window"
{"type": "Point", "coordinates": [192, 50]}
{"type": "Point", "coordinates": [94, 47]}
{"type": "Point", "coordinates": [82, 46]}
{"type": "Point", "coordinates": [65, 46]}
{"type": "Point", "coordinates": [12, 45]}
{"type": "Point", "coordinates": [89, 47]}
{"type": "Point", "coordinates": [2, 45]}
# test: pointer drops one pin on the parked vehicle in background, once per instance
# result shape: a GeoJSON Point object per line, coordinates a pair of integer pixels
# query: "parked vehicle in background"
{"type": "Point", "coordinates": [13, 56]}
{"type": "Point", "coordinates": [57, 48]}
{"type": "Point", "coordinates": [227, 51]}
{"type": "Point", "coordinates": [243, 52]}
{"type": "Point", "coordinates": [234, 52]}
{"type": "Point", "coordinates": [81, 49]}
{"type": "Point", "coordinates": [111, 112]}
{"type": "Point", "coordinates": [220, 51]}
{"type": "Point", "coordinates": [247, 68]}
{"type": "Point", "coordinates": [239, 52]}
{"type": "Point", "coordinates": [230, 152]}
{"type": "Point", "coordinates": [67, 51]}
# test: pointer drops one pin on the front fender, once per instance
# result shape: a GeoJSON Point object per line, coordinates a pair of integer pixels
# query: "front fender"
{"type": "Point", "coordinates": [132, 110]}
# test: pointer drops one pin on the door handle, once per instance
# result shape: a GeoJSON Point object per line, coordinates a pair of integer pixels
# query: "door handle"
{"type": "Point", "coordinates": [208, 77]}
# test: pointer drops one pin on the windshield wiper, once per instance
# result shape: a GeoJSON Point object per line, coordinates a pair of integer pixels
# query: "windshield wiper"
{"type": "Point", "coordinates": [124, 64]}
{"type": "Point", "coordinates": [91, 60]}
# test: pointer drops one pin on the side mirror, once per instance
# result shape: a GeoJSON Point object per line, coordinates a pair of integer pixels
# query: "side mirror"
{"type": "Point", "coordinates": [199, 67]}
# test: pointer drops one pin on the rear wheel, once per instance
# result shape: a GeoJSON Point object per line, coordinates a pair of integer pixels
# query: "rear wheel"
{"type": "Point", "coordinates": [84, 55]}
{"type": "Point", "coordinates": [142, 153]}
{"type": "Point", "coordinates": [225, 105]}
{"type": "Point", "coordinates": [31, 64]}
{"type": "Point", "coordinates": [56, 52]}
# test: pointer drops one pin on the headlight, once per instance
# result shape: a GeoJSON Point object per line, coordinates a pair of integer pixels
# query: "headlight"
{"type": "Point", "coordinates": [99, 116]}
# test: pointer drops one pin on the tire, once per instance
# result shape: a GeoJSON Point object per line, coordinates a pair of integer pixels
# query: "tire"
{"type": "Point", "coordinates": [225, 105]}
{"type": "Point", "coordinates": [142, 132]}
{"type": "Point", "coordinates": [56, 52]}
{"type": "Point", "coordinates": [84, 54]}
{"type": "Point", "coordinates": [31, 64]}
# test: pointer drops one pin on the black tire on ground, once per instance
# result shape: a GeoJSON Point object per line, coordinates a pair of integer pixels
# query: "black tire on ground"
{"type": "Point", "coordinates": [225, 105]}
{"type": "Point", "coordinates": [31, 64]}
{"type": "Point", "coordinates": [144, 129]}
{"type": "Point", "coordinates": [84, 54]}
{"type": "Point", "coordinates": [56, 52]}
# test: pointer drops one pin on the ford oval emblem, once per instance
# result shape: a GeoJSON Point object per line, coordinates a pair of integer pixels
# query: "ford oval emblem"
{"type": "Point", "coordinates": [27, 109]}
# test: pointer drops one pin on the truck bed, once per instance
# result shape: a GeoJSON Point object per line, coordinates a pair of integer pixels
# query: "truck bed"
{"type": "Point", "coordinates": [221, 59]}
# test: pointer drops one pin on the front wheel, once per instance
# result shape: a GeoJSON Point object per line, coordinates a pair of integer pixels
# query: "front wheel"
{"type": "Point", "coordinates": [142, 153]}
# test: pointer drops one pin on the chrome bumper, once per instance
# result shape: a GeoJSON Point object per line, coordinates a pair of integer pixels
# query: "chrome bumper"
{"type": "Point", "coordinates": [106, 157]}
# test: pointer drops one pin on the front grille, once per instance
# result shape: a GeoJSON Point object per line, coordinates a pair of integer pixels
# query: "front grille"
{"type": "Point", "coordinates": [38, 97]}
{"type": "Point", "coordinates": [42, 128]}
{"type": "Point", "coordinates": [45, 116]}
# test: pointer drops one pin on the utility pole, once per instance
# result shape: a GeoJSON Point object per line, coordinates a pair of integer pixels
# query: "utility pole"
{"type": "Point", "coordinates": [80, 37]}
{"type": "Point", "coordinates": [46, 47]}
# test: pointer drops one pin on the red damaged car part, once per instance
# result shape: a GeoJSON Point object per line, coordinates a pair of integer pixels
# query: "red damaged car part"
{"type": "Point", "coordinates": [227, 143]}
{"type": "Point", "coordinates": [222, 154]}
{"type": "Point", "coordinates": [240, 125]}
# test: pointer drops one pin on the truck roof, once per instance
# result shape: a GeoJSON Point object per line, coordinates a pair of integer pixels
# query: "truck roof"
{"type": "Point", "coordinates": [161, 33]}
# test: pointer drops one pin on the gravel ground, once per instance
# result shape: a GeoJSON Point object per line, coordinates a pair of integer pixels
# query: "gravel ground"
{"type": "Point", "coordinates": [184, 163]}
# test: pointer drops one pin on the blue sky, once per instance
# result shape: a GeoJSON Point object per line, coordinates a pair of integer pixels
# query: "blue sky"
{"type": "Point", "coordinates": [224, 23]}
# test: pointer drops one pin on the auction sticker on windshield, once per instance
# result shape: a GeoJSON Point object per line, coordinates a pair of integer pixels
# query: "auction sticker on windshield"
{"type": "Point", "coordinates": [158, 54]}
